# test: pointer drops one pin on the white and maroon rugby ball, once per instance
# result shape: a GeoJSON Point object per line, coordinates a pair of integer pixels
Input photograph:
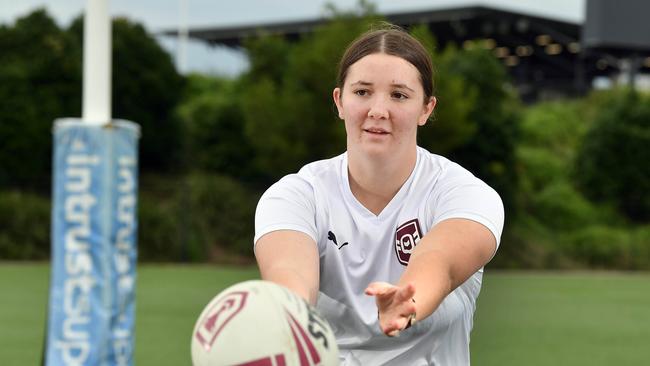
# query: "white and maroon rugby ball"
{"type": "Point", "coordinates": [259, 323]}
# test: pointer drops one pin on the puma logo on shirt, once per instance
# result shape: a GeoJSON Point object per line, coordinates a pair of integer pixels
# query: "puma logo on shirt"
{"type": "Point", "coordinates": [332, 237]}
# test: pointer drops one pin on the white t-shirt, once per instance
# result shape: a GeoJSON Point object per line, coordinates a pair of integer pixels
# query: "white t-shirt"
{"type": "Point", "coordinates": [357, 247]}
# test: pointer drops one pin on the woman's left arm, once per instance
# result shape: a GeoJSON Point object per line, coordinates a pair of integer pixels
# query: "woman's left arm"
{"type": "Point", "coordinates": [445, 257]}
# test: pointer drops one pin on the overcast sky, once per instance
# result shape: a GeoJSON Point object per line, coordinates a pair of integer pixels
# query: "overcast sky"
{"type": "Point", "coordinates": [157, 15]}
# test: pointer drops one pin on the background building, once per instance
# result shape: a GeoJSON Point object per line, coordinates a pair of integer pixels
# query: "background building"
{"type": "Point", "coordinates": [546, 57]}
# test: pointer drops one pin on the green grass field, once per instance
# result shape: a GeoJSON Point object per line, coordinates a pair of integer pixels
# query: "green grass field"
{"type": "Point", "coordinates": [522, 318]}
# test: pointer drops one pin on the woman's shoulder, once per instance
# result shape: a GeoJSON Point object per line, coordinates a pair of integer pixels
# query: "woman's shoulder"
{"type": "Point", "coordinates": [448, 176]}
{"type": "Point", "coordinates": [312, 174]}
{"type": "Point", "coordinates": [442, 166]}
{"type": "Point", "coordinates": [323, 167]}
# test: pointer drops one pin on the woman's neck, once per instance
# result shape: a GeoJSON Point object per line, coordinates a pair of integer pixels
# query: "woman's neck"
{"type": "Point", "coordinates": [375, 181]}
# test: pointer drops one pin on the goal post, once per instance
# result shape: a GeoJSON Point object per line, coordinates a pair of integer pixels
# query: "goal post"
{"type": "Point", "coordinates": [91, 309]}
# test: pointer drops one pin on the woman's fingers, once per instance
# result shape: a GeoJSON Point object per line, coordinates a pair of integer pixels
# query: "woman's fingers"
{"type": "Point", "coordinates": [380, 289]}
{"type": "Point", "coordinates": [395, 305]}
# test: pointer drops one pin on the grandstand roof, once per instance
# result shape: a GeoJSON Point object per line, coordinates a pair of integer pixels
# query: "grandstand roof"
{"type": "Point", "coordinates": [545, 56]}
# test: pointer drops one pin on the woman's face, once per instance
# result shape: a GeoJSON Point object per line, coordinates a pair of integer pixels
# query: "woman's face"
{"type": "Point", "coordinates": [382, 103]}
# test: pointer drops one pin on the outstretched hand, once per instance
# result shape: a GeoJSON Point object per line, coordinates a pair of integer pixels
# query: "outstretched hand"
{"type": "Point", "coordinates": [395, 305]}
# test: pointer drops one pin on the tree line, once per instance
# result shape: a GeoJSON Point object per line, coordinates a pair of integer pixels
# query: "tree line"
{"type": "Point", "coordinates": [573, 174]}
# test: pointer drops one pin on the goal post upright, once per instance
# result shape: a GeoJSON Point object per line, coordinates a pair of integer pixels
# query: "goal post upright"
{"type": "Point", "coordinates": [91, 309]}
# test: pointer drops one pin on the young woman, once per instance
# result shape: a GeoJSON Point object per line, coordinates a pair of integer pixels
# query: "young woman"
{"type": "Point", "coordinates": [387, 240]}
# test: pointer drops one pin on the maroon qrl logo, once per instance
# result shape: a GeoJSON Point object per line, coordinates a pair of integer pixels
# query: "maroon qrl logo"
{"type": "Point", "coordinates": [218, 316]}
{"type": "Point", "coordinates": [407, 237]}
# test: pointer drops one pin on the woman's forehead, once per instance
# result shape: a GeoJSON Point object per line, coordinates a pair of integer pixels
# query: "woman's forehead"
{"type": "Point", "coordinates": [384, 68]}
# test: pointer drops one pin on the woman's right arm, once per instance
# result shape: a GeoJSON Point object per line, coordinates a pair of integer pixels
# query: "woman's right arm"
{"type": "Point", "coordinates": [290, 258]}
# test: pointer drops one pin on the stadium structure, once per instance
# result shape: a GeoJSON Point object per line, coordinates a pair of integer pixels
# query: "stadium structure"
{"type": "Point", "coordinates": [546, 58]}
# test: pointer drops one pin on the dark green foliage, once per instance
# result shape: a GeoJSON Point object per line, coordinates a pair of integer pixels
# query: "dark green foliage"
{"type": "Point", "coordinates": [146, 88]}
{"type": "Point", "coordinates": [612, 164]}
{"type": "Point", "coordinates": [564, 188]}
{"type": "Point", "coordinates": [268, 57]}
{"type": "Point", "coordinates": [223, 216]}
{"type": "Point", "coordinates": [539, 167]}
{"type": "Point", "coordinates": [562, 208]}
{"type": "Point", "coordinates": [602, 247]}
{"type": "Point", "coordinates": [24, 226]}
{"type": "Point", "coordinates": [450, 126]}
{"type": "Point", "coordinates": [557, 127]}
{"type": "Point", "coordinates": [640, 250]}
{"type": "Point", "coordinates": [159, 217]}
{"type": "Point", "coordinates": [213, 119]}
{"type": "Point", "coordinates": [555, 225]}
{"type": "Point", "coordinates": [488, 148]}
{"type": "Point", "coordinates": [550, 135]}
{"type": "Point", "coordinates": [200, 217]}
{"type": "Point", "coordinates": [40, 80]}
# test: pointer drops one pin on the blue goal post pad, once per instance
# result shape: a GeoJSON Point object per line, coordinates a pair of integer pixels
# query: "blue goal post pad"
{"type": "Point", "coordinates": [91, 314]}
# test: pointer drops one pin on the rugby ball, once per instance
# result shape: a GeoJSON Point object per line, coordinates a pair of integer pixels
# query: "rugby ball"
{"type": "Point", "coordinates": [260, 323]}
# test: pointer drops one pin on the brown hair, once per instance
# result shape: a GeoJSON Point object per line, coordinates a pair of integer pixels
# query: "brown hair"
{"type": "Point", "coordinates": [394, 41]}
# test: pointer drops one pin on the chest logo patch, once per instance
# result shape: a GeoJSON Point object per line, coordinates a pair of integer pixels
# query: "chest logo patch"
{"type": "Point", "coordinates": [407, 237]}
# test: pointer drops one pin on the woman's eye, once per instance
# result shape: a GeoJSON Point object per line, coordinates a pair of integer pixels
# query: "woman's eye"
{"type": "Point", "coordinates": [361, 92]}
{"type": "Point", "coordinates": [398, 95]}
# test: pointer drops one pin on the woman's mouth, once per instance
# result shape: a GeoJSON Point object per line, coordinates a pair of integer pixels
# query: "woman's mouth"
{"type": "Point", "coordinates": [376, 131]}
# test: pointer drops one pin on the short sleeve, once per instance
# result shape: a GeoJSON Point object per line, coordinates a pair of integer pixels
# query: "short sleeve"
{"type": "Point", "coordinates": [472, 199]}
{"type": "Point", "coordinates": [287, 205]}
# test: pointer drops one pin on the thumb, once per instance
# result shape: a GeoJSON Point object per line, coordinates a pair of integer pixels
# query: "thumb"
{"type": "Point", "coordinates": [405, 293]}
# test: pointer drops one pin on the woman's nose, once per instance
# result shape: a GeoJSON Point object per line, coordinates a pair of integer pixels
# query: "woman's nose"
{"type": "Point", "coordinates": [378, 110]}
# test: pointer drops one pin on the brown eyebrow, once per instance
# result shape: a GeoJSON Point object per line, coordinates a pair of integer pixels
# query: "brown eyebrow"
{"type": "Point", "coordinates": [402, 86]}
{"type": "Point", "coordinates": [395, 85]}
{"type": "Point", "coordinates": [361, 82]}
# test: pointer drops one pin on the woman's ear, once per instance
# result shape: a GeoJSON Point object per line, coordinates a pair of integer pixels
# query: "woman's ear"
{"type": "Point", "coordinates": [426, 112]}
{"type": "Point", "coordinates": [336, 95]}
